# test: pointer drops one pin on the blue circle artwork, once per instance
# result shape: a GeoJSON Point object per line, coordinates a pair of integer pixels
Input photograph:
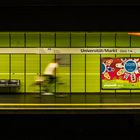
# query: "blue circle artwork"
{"type": "Point", "coordinates": [130, 66]}
{"type": "Point", "coordinates": [109, 69]}
{"type": "Point", "coordinates": [103, 68]}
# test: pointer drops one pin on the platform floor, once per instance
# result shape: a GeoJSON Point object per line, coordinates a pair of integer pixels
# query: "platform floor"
{"type": "Point", "coordinates": [75, 98]}
{"type": "Point", "coordinates": [70, 102]}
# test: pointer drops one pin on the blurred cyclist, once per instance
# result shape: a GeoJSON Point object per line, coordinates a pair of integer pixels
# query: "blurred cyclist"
{"type": "Point", "coordinates": [50, 71]}
{"type": "Point", "coordinates": [49, 76]}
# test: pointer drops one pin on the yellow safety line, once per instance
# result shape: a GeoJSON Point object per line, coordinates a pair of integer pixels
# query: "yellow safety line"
{"type": "Point", "coordinates": [98, 104]}
{"type": "Point", "coordinates": [14, 108]}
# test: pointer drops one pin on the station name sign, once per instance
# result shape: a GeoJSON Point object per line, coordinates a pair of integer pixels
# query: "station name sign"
{"type": "Point", "coordinates": [99, 50]}
{"type": "Point", "coordinates": [69, 50]}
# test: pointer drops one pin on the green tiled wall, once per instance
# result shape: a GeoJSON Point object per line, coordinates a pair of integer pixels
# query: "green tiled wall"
{"type": "Point", "coordinates": [83, 67]}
